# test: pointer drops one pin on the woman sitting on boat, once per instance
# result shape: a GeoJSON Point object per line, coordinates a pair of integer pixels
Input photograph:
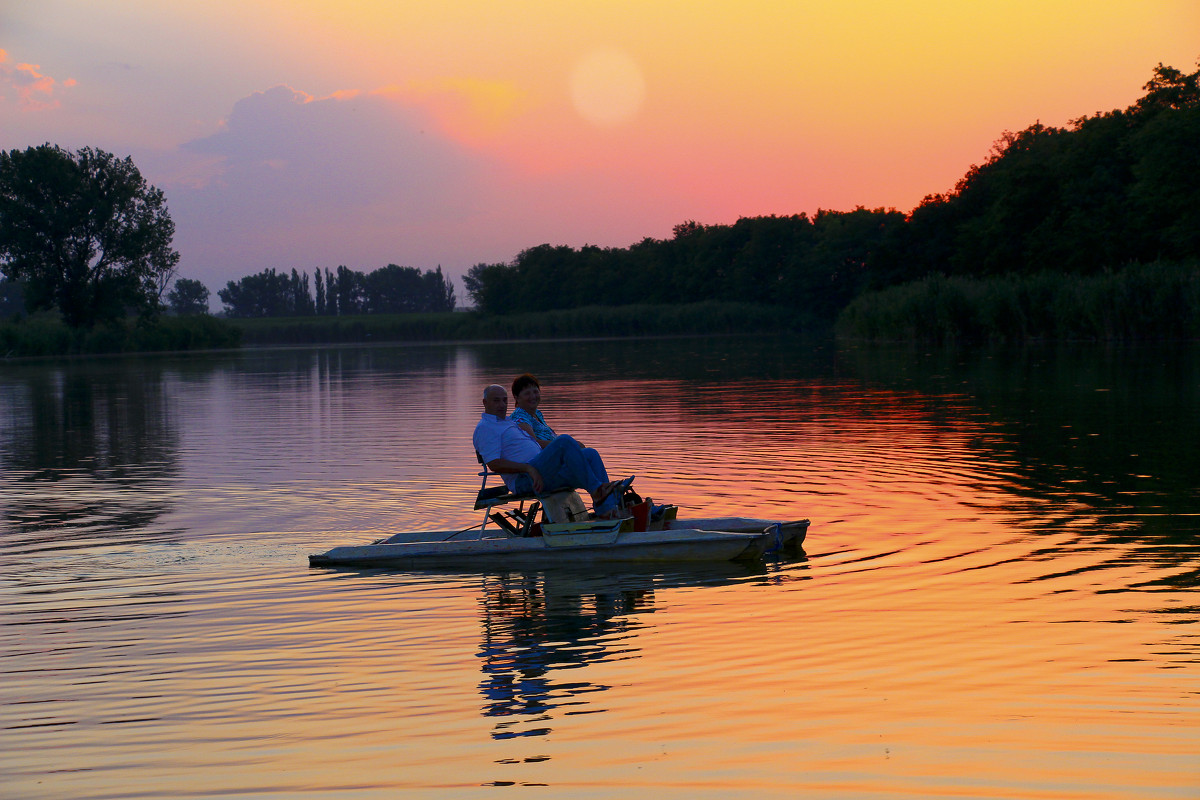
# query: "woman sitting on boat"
{"type": "Point", "coordinates": [527, 392]}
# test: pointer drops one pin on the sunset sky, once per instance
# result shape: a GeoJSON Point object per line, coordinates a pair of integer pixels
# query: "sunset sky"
{"type": "Point", "coordinates": [311, 133]}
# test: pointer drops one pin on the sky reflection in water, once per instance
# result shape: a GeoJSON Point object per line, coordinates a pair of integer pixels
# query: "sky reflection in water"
{"type": "Point", "coordinates": [997, 596]}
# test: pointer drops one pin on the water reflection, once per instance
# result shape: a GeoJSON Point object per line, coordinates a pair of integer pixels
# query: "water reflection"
{"type": "Point", "coordinates": [1026, 515]}
{"type": "Point", "coordinates": [87, 450]}
{"type": "Point", "coordinates": [1106, 432]}
{"type": "Point", "coordinates": [539, 628]}
{"type": "Point", "coordinates": [79, 420]}
{"type": "Point", "coordinates": [530, 638]}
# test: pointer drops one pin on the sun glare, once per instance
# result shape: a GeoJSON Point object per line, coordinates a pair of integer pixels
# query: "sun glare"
{"type": "Point", "coordinates": [607, 87]}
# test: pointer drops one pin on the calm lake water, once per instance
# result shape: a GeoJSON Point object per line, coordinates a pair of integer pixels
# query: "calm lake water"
{"type": "Point", "coordinates": [997, 599]}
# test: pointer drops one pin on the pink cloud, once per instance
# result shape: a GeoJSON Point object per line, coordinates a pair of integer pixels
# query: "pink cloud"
{"type": "Point", "coordinates": [34, 90]}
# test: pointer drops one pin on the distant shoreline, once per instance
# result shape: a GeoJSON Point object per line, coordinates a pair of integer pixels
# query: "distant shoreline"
{"type": "Point", "coordinates": [594, 322]}
{"type": "Point", "coordinates": [45, 336]}
{"type": "Point", "coordinates": [1156, 302]}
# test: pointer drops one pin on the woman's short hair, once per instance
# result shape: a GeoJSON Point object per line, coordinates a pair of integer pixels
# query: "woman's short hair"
{"type": "Point", "coordinates": [522, 382]}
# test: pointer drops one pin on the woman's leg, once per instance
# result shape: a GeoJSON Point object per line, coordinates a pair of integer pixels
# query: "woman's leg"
{"type": "Point", "coordinates": [596, 464]}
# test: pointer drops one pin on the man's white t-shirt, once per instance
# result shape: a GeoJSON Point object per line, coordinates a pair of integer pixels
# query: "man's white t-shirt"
{"type": "Point", "coordinates": [501, 438]}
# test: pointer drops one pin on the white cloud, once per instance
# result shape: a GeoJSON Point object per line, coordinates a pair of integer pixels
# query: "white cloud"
{"type": "Point", "coordinates": [295, 180]}
{"type": "Point", "coordinates": [400, 175]}
{"type": "Point", "coordinates": [333, 155]}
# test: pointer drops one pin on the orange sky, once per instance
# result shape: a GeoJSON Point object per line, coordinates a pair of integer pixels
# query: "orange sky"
{"type": "Point", "coordinates": [310, 133]}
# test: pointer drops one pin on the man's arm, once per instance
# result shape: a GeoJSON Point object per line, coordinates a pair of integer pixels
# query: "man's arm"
{"type": "Point", "coordinates": [525, 426]}
{"type": "Point", "coordinates": [503, 466]}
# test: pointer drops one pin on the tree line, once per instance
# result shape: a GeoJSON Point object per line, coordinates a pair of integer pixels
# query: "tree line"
{"type": "Point", "coordinates": [83, 233]}
{"type": "Point", "coordinates": [342, 292]}
{"type": "Point", "coordinates": [1109, 190]}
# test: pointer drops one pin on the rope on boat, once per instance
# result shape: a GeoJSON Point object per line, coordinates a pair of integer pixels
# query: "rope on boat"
{"type": "Point", "coordinates": [464, 530]}
{"type": "Point", "coordinates": [384, 540]}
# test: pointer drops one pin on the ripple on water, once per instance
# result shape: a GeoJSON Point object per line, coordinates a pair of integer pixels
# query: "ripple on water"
{"type": "Point", "coordinates": [972, 617]}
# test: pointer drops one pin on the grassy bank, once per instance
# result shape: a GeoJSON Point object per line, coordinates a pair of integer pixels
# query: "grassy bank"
{"type": "Point", "coordinates": [594, 321]}
{"type": "Point", "coordinates": [1141, 302]}
{"type": "Point", "coordinates": [44, 334]}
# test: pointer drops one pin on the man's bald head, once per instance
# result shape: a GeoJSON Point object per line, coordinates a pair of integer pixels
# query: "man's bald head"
{"type": "Point", "coordinates": [495, 401]}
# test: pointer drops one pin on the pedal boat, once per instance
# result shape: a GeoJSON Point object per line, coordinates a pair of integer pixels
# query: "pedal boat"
{"type": "Point", "coordinates": [556, 529]}
{"type": "Point", "coordinates": [591, 542]}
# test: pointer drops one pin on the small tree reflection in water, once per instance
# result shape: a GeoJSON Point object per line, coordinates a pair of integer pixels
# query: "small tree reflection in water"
{"type": "Point", "coordinates": [88, 452]}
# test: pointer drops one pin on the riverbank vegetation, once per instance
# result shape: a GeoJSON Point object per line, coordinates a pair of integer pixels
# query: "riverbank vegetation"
{"type": "Point", "coordinates": [46, 334]}
{"type": "Point", "coordinates": [1143, 301]}
{"type": "Point", "coordinates": [588, 322]}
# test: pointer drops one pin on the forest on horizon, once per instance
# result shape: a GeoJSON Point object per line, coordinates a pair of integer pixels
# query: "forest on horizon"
{"type": "Point", "coordinates": [1111, 190]}
{"type": "Point", "coordinates": [1091, 230]}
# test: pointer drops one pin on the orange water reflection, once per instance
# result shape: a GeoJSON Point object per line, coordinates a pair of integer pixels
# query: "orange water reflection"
{"type": "Point", "coordinates": [997, 599]}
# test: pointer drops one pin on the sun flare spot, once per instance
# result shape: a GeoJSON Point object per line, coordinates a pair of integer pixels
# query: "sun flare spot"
{"type": "Point", "coordinates": [607, 87]}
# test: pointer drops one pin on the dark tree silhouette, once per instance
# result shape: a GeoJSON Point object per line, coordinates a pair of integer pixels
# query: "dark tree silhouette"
{"type": "Point", "coordinates": [84, 233]}
{"type": "Point", "coordinates": [188, 297]}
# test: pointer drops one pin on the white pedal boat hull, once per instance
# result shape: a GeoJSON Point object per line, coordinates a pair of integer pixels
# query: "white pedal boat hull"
{"type": "Point", "coordinates": [707, 540]}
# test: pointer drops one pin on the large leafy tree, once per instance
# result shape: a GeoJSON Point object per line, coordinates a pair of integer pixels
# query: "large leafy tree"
{"type": "Point", "coordinates": [83, 232]}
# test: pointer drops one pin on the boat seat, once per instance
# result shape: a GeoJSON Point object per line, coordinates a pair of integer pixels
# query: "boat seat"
{"type": "Point", "coordinates": [562, 505]}
{"type": "Point", "coordinates": [498, 496]}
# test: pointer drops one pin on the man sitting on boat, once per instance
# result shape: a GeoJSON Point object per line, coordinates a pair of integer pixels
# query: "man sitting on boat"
{"type": "Point", "coordinates": [526, 466]}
